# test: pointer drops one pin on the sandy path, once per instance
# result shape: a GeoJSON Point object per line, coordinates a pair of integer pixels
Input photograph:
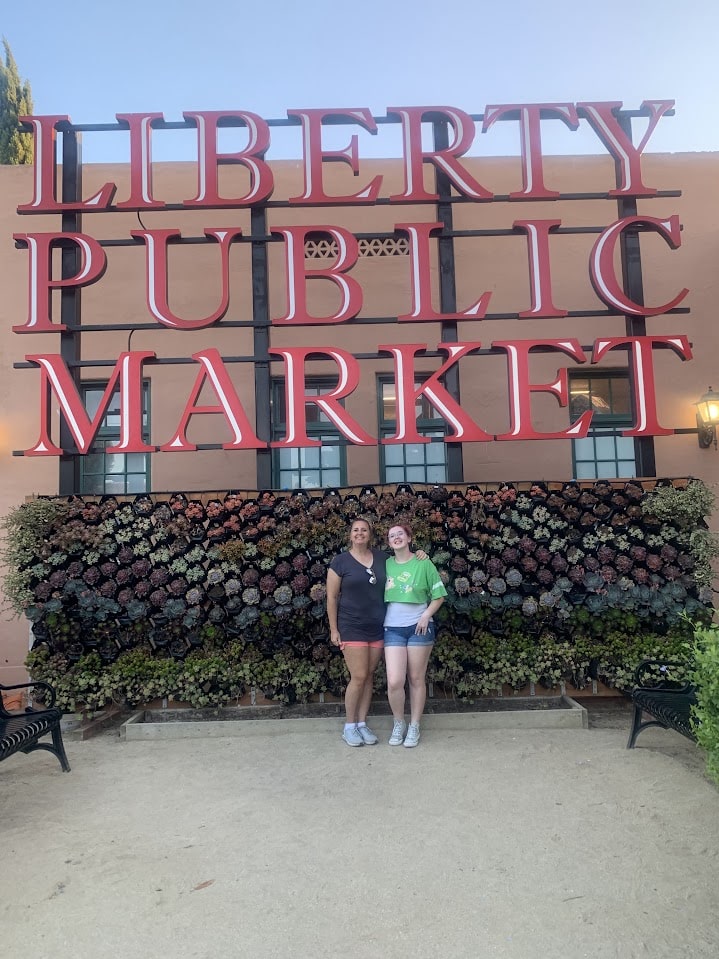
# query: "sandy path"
{"type": "Point", "coordinates": [512, 844]}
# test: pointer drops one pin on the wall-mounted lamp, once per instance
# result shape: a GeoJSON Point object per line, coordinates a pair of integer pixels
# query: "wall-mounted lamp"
{"type": "Point", "coordinates": [708, 418]}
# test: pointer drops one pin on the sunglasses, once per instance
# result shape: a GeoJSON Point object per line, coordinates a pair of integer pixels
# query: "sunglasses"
{"type": "Point", "coordinates": [372, 577]}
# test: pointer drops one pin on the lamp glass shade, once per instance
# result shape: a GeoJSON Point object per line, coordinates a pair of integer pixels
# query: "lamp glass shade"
{"type": "Point", "coordinates": [708, 408]}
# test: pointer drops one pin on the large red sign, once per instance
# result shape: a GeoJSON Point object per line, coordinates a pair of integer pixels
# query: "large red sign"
{"type": "Point", "coordinates": [602, 118]}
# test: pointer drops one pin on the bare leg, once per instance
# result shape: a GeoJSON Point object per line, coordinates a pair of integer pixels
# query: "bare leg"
{"type": "Point", "coordinates": [374, 656]}
{"type": "Point", "coordinates": [358, 663]}
{"type": "Point", "coordinates": [417, 659]}
{"type": "Point", "coordinates": [396, 663]}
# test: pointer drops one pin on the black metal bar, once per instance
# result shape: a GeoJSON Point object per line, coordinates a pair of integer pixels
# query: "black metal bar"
{"type": "Point", "coordinates": [261, 344]}
{"type": "Point", "coordinates": [448, 293]}
{"type": "Point", "coordinates": [380, 201]}
{"type": "Point", "coordinates": [292, 122]}
{"type": "Point", "coordinates": [631, 260]}
{"type": "Point", "coordinates": [388, 235]}
{"type": "Point", "coordinates": [186, 360]}
{"type": "Point", "coordinates": [70, 306]}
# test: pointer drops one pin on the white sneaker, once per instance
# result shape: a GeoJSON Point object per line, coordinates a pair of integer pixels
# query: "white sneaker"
{"type": "Point", "coordinates": [352, 736]}
{"type": "Point", "coordinates": [368, 737]}
{"type": "Point", "coordinates": [398, 731]}
{"type": "Point", "coordinates": [412, 737]}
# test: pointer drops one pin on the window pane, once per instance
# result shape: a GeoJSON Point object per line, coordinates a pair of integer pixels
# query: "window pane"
{"type": "Point", "coordinates": [93, 463]}
{"type": "Point", "coordinates": [416, 474]}
{"type": "Point", "coordinates": [115, 462]}
{"type": "Point", "coordinates": [436, 453]}
{"type": "Point", "coordinates": [393, 455]}
{"type": "Point", "coordinates": [606, 469]}
{"type": "Point", "coordinates": [389, 402]}
{"type": "Point", "coordinates": [330, 457]}
{"type": "Point", "coordinates": [621, 396]}
{"type": "Point", "coordinates": [92, 402]}
{"type": "Point", "coordinates": [288, 458]}
{"type": "Point", "coordinates": [414, 454]}
{"type": "Point", "coordinates": [395, 474]}
{"type": "Point", "coordinates": [309, 457]}
{"type": "Point", "coordinates": [93, 485]}
{"type": "Point", "coordinates": [311, 479]}
{"type": "Point", "coordinates": [627, 468]}
{"type": "Point", "coordinates": [585, 471]}
{"type": "Point", "coordinates": [331, 478]}
{"type": "Point", "coordinates": [625, 447]}
{"type": "Point", "coordinates": [137, 483]}
{"type": "Point", "coordinates": [289, 479]}
{"type": "Point", "coordinates": [136, 462]}
{"type": "Point", "coordinates": [436, 474]}
{"type": "Point", "coordinates": [604, 447]}
{"type": "Point", "coordinates": [584, 448]}
{"type": "Point", "coordinates": [115, 484]}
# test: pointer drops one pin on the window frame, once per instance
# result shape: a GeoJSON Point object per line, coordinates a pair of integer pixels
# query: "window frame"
{"type": "Point", "coordinates": [106, 435]}
{"type": "Point", "coordinates": [314, 430]}
{"type": "Point", "coordinates": [603, 426]}
{"type": "Point", "coordinates": [386, 427]}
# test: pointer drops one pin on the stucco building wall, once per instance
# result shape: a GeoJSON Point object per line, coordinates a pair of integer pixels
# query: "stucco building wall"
{"type": "Point", "coordinates": [497, 264]}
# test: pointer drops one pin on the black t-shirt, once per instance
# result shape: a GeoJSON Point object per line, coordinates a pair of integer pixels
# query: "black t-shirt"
{"type": "Point", "coordinates": [360, 608]}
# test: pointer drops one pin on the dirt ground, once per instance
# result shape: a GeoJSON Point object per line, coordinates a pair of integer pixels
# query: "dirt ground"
{"type": "Point", "coordinates": [504, 843]}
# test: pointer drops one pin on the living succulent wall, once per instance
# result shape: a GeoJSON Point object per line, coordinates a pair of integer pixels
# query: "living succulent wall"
{"type": "Point", "coordinates": [203, 596]}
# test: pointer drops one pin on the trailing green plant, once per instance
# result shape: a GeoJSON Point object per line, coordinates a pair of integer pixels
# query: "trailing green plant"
{"type": "Point", "coordinates": [684, 506]}
{"type": "Point", "coordinates": [24, 547]}
{"type": "Point", "coordinates": [705, 677]}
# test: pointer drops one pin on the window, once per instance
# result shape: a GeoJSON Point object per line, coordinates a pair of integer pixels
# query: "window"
{"type": "Point", "coordinates": [602, 454]}
{"type": "Point", "coordinates": [307, 467]}
{"type": "Point", "coordinates": [410, 462]}
{"type": "Point", "coordinates": [112, 472]}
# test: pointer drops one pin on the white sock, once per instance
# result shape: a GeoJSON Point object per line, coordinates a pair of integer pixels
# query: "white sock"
{"type": "Point", "coordinates": [349, 726]}
{"type": "Point", "coordinates": [360, 725]}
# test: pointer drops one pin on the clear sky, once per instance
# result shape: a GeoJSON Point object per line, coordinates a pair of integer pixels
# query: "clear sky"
{"type": "Point", "coordinates": [92, 59]}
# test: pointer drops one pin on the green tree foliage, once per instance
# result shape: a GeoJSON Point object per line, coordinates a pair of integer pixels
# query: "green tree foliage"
{"type": "Point", "coordinates": [15, 101]}
{"type": "Point", "coordinates": [706, 680]}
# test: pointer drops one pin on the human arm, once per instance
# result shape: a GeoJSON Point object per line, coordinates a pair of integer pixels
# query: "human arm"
{"type": "Point", "coordinates": [333, 593]}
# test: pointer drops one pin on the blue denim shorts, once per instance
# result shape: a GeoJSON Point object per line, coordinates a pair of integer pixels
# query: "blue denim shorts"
{"type": "Point", "coordinates": [406, 636]}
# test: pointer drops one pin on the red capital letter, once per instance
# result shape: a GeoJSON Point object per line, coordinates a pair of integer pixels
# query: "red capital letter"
{"type": "Point", "coordinates": [314, 154]}
{"type": "Point", "coordinates": [57, 379]}
{"type": "Point", "coordinates": [520, 389]}
{"type": "Point", "coordinates": [607, 127]}
{"type": "Point", "coordinates": [140, 125]}
{"type": "Point", "coordinates": [601, 261]}
{"type": "Point", "coordinates": [645, 399]}
{"type": "Point", "coordinates": [45, 171]}
{"type": "Point", "coordinates": [530, 115]}
{"type": "Point", "coordinates": [297, 398]}
{"type": "Point", "coordinates": [156, 288]}
{"type": "Point", "coordinates": [92, 267]}
{"type": "Point", "coordinates": [444, 160]}
{"type": "Point", "coordinates": [213, 369]}
{"type": "Point", "coordinates": [463, 428]}
{"type": "Point", "coordinates": [297, 276]}
{"type": "Point", "coordinates": [540, 277]}
{"type": "Point", "coordinates": [261, 180]}
{"type": "Point", "coordinates": [420, 278]}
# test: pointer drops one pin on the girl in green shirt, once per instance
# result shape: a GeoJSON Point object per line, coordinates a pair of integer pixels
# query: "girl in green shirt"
{"type": "Point", "coordinates": [413, 592]}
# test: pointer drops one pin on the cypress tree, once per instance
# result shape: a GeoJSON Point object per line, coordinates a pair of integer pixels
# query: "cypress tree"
{"type": "Point", "coordinates": [15, 101]}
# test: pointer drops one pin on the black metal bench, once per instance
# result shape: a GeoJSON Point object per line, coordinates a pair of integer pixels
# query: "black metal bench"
{"type": "Point", "coordinates": [667, 701]}
{"type": "Point", "coordinates": [22, 731]}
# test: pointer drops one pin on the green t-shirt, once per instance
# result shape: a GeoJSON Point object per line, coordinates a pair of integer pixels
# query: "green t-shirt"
{"type": "Point", "coordinates": [414, 582]}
